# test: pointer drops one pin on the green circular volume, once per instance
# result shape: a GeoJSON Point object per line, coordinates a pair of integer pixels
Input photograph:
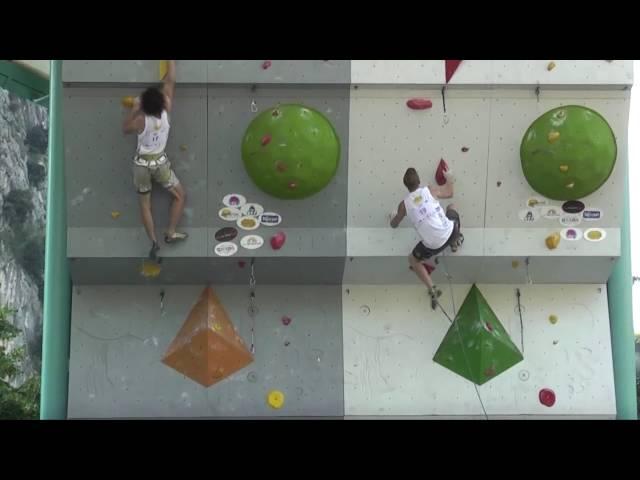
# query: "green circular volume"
{"type": "Point", "coordinates": [291, 151]}
{"type": "Point", "coordinates": [568, 153]}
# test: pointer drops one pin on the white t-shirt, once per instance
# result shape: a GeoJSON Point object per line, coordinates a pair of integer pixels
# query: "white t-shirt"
{"type": "Point", "coordinates": [428, 218]}
{"type": "Point", "coordinates": [154, 137]}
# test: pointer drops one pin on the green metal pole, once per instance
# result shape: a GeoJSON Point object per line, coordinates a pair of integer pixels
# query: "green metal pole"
{"type": "Point", "coordinates": [621, 315]}
{"type": "Point", "coordinates": [57, 281]}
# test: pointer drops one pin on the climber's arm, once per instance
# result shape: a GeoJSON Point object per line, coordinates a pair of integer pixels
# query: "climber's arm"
{"type": "Point", "coordinates": [134, 121]}
{"type": "Point", "coordinates": [400, 214]}
{"type": "Point", "coordinates": [169, 80]}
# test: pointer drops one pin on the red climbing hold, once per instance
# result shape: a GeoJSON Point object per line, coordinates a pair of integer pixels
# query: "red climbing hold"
{"type": "Point", "coordinates": [277, 241]}
{"type": "Point", "coordinates": [419, 104]}
{"type": "Point", "coordinates": [265, 140]}
{"type": "Point", "coordinates": [450, 67]}
{"type": "Point", "coordinates": [490, 372]}
{"type": "Point", "coordinates": [266, 64]}
{"type": "Point", "coordinates": [286, 320]}
{"type": "Point", "coordinates": [442, 167]}
{"type": "Point", "coordinates": [488, 327]}
{"type": "Point", "coordinates": [547, 397]}
{"type": "Point", "coordinates": [241, 264]}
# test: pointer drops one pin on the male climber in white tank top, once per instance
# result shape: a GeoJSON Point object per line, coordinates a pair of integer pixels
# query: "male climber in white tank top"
{"type": "Point", "coordinates": [437, 229]}
{"type": "Point", "coordinates": [149, 119]}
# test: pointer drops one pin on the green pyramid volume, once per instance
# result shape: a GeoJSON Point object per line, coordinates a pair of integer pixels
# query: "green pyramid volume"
{"type": "Point", "coordinates": [477, 333]}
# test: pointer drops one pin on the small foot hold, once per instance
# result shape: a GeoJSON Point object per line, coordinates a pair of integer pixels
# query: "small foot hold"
{"type": "Point", "coordinates": [175, 237]}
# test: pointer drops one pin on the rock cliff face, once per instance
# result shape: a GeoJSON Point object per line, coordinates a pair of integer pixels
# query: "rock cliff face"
{"type": "Point", "coordinates": [23, 171]}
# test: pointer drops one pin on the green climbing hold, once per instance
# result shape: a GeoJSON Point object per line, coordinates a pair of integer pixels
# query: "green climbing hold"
{"type": "Point", "coordinates": [568, 153]}
{"type": "Point", "coordinates": [477, 346]}
{"type": "Point", "coordinates": [291, 151]}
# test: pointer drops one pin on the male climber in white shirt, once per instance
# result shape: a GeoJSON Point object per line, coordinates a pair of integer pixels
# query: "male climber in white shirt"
{"type": "Point", "coordinates": [437, 229]}
{"type": "Point", "coordinates": [149, 119]}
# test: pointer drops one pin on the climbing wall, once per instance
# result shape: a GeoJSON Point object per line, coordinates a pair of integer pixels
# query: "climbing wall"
{"type": "Point", "coordinates": [391, 336]}
{"type": "Point", "coordinates": [341, 327]}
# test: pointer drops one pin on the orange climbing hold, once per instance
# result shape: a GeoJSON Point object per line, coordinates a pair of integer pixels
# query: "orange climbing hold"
{"type": "Point", "coordinates": [552, 241]}
{"type": "Point", "coordinates": [163, 68]}
{"type": "Point", "coordinates": [207, 348]}
{"type": "Point", "coordinates": [128, 101]}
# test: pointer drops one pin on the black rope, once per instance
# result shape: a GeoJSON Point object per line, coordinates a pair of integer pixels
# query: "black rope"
{"type": "Point", "coordinates": [521, 326]}
{"type": "Point", "coordinates": [444, 104]}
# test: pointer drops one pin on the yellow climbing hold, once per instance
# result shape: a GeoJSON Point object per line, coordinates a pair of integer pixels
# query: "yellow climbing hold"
{"type": "Point", "coordinates": [275, 399]}
{"type": "Point", "coordinates": [150, 269]}
{"type": "Point", "coordinates": [553, 241]}
{"type": "Point", "coordinates": [515, 264]}
{"type": "Point", "coordinates": [183, 147]}
{"type": "Point", "coordinates": [553, 136]}
{"type": "Point", "coordinates": [551, 66]}
{"type": "Point", "coordinates": [115, 215]}
{"type": "Point", "coordinates": [163, 67]}
{"type": "Point", "coordinates": [128, 101]}
{"type": "Point", "coordinates": [564, 168]}
{"type": "Point", "coordinates": [217, 327]}
{"type": "Point", "coordinates": [553, 319]}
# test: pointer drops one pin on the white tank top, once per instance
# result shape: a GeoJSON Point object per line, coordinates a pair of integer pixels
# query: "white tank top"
{"type": "Point", "coordinates": [153, 139]}
{"type": "Point", "coordinates": [428, 218]}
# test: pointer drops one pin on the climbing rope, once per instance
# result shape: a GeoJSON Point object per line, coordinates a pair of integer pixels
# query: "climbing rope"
{"type": "Point", "coordinates": [521, 325]}
{"type": "Point", "coordinates": [457, 327]}
{"type": "Point", "coordinates": [252, 304]}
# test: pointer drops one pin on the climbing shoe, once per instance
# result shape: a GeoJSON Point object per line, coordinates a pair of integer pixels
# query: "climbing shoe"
{"type": "Point", "coordinates": [175, 237]}
{"type": "Point", "coordinates": [153, 253]}
{"type": "Point", "coordinates": [434, 294]}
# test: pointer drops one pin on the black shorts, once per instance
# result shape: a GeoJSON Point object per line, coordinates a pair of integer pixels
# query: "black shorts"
{"type": "Point", "coordinates": [422, 252]}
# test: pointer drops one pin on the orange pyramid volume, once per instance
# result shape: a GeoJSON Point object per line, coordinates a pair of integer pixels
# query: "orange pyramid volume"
{"type": "Point", "coordinates": [207, 348]}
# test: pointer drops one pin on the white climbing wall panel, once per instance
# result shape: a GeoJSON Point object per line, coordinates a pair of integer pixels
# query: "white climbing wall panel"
{"type": "Point", "coordinates": [419, 72]}
{"type": "Point", "coordinates": [532, 72]}
{"type": "Point", "coordinates": [512, 112]}
{"type": "Point", "coordinates": [391, 335]}
{"type": "Point", "coordinates": [386, 138]}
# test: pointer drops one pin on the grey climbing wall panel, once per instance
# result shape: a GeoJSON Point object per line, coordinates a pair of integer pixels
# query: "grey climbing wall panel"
{"type": "Point", "coordinates": [315, 225]}
{"type": "Point", "coordinates": [279, 71]}
{"type": "Point", "coordinates": [130, 71]}
{"type": "Point", "coordinates": [119, 335]}
{"type": "Point", "coordinates": [210, 71]}
{"type": "Point", "coordinates": [229, 116]}
{"type": "Point", "coordinates": [216, 270]}
{"type": "Point", "coordinates": [99, 158]}
{"type": "Point", "coordinates": [100, 178]}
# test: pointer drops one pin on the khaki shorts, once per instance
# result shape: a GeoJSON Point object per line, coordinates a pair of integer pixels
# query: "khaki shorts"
{"type": "Point", "coordinates": [162, 174]}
